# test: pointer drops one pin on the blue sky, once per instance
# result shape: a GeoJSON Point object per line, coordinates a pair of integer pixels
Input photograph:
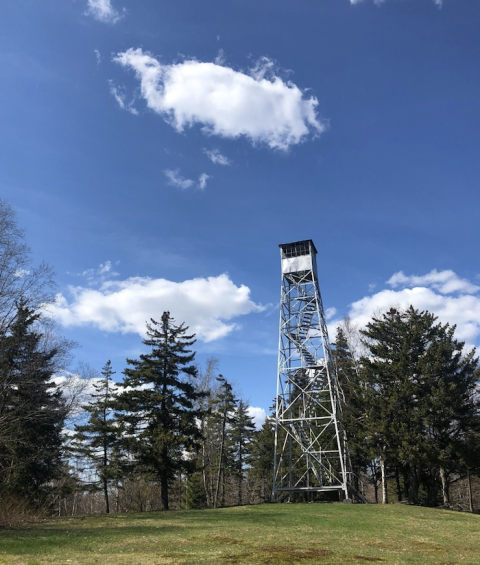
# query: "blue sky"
{"type": "Point", "coordinates": [158, 152]}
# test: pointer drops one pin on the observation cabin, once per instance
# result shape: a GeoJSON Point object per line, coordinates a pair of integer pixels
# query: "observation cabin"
{"type": "Point", "coordinates": [298, 259]}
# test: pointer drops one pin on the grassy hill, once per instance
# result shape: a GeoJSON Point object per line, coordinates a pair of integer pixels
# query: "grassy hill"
{"type": "Point", "coordinates": [268, 534]}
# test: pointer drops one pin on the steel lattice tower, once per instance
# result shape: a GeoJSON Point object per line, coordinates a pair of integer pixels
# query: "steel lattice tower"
{"type": "Point", "coordinates": [310, 448]}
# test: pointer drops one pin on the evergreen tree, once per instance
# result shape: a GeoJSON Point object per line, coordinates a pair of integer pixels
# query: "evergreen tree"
{"type": "Point", "coordinates": [241, 436]}
{"type": "Point", "coordinates": [158, 403]}
{"type": "Point", "coordinates": [450, 405]}
{"type": "Point", "coordinates": [418, 395]}
{"type": "Point", "coordinates": [98, 440]}
{"type": "Point", "coordinates": [224, 403]}
{"type": "Point", "coordinates": [351, 392]}
{"type": "Point", "coordinates": [32, 409]}
{"type": "Point", "coordinates": [261, 458]}
{"type": "Point", "coordinates": [195, 496]}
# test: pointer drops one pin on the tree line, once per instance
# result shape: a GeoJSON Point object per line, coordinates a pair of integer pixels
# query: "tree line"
{"type": "Point", "coordinates": [168, 422]}
{"type": "Point", "coordinates": [169, 430]}
{"type": "Point", "coordinates": [171, 434]}
{"type": "Point", "coordinates": [411, 399]}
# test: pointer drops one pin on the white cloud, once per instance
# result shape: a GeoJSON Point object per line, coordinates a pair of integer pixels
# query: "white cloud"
{"type": "Point", "coordinates": [175, 179]}
{"type": "Point", "coordinates": [98, 56]}
{"type": "Point", "coordinates": [225, 102]}
{"type": "Point", "coordinates": [20, 273]}
{"type": "Point", "coordinates": [216, 157]}
{"type": "Point", "coordinates": [330, 312]}
{"type": "Point", "coordinates": [258, 414]}
{"type": "Point", "coordinates": [452, 299]}
{"type": "Point", "coordinates": [103, 11]}
{"type": "Point", "coordinates": [220, 58]}
{"type": "Point", "coordinates": [103, 272]}
{"type": "Point", "coordinates": [118, 92]}
{"type": "Point", "coordinates": [445, 282]}
{"type": "Point", "coordinates": [206, 305]}
{"type": "Point", "coordinates": [202, 181]}
{"type": "Point", "coordinates": [105, 268]}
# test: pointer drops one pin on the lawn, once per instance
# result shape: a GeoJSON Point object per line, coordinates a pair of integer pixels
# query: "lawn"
{"type": "Point", "coordinates": [267, 534]}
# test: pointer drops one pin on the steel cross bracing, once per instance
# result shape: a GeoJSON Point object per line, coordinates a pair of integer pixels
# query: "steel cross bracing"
{"type": "Point", "coordinates": [310, 447]}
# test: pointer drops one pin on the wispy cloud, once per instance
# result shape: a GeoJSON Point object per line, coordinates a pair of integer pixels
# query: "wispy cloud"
{"type": "Point", "coordinates": [220, 58]}
{"type": "Point", "coordinates": [118, 92]}
{"type": "Point", "coordinates": [103, 11]}
{"type": "Point", "coordinates": [445, 282]}
{"type": "Point", "coordinates": [202, 181]}
{"type": "Point", "coordinates": [105, 271]}
{"type": "Point", "coordinates": [175, 179]}
{"type": "Point", "coordinates": [226, 102]}
{"type": "Point", "coordinates": [330, 312]}
{"type": "Point", "coordinates": [216, 157]}
{"type": "Point", "coordinates": [98, 56]}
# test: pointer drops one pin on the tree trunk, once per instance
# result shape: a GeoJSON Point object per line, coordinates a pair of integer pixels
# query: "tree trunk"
{"type": "Point", "coordinates": [445, 493]}
{"type": "Point", "coordinates": [240, 477]}
{"type": "Point", "coordinates": [204, 473]}
{"type": "Point", "coordinates": [406, 483]}
{"type": "Point", "coordinates": [222, 446]}
{"type": "Point", "coordinates": [105, 465]}
{"type": "Point", "coordinates": [164, 491]}
{"type": "Point", "coordinates": [414, 485]}
{"type": "Point", "coordinates": [375, 487]}
{"type": "Point", "coordinates": [384, 482]}
{"type": "Point", "coordinates": [399, 488]}
{"type": "Point", "coordinates": [470, 494]}
{"type": "Point", "coordinates": [105, 490]}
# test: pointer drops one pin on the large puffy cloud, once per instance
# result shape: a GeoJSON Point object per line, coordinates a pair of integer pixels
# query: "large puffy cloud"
{"type": "Point", "coordinates": [225, 102]}
{"type": "Point", "coordinates": [452, 299]}
{"type": "Point", "coordinates": [207, 305]}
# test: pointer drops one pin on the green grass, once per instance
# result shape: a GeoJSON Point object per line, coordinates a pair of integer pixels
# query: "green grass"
{"type": "Point", "coordinates": [262, 535]}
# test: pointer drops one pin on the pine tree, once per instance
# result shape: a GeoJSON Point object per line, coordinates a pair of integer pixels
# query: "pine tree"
{"type": "Point", "coordinates": [225, 403]}
{"type": "Point", "coordinates": [98, 440]}
{"type": "Point", "coordinates": [450, 404]}
{"type": "Point", "coordinates": [351, 392]}
{"type": "Point", "coordinates": [195, 496]}
{"type": "Point", "coordinates": [158, 403]}
{"type": "Point", "coordinates": [261, 457]}
{"type": "Point", "coordinates": [32, 409]}
{"type": "Point", "coordinates": [241, 436]}
{"type": "Point", "coordinates": [418, 397]}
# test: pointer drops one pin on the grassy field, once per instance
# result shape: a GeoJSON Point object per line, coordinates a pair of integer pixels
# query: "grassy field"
{"type": "Point", "coordinates": [268, 534]}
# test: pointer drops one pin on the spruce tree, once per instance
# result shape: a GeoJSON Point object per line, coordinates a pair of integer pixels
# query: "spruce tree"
{"type": "Point", "coordinates": [450, 405]}
{"type": "Point", "coordinates": [225, 403]}
{"type": "Point", "coordinates": [32, 409]}
{"type": "Point", "coordinates": [241, 436]}
{"type": "Point", "coordinates": [97, 441]}
{"type": "Point", "coordinates": [261, 457]}
{"type": "Point", "coordinates": [158, 403]}
{"type": "Point", "coordinates": [418, 397]}
{"type": "Point", "coordinates": [392, 426]}
{"type": "Point", "coordinates": [351, 392]}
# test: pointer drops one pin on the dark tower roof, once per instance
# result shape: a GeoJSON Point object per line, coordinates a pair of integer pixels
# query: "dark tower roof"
{"type": "Point", "coordinates": [298, 248]}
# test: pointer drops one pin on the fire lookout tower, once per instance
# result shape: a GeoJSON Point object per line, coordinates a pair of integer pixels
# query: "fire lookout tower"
{"type": "Point", "coordinates": [310, 448]}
